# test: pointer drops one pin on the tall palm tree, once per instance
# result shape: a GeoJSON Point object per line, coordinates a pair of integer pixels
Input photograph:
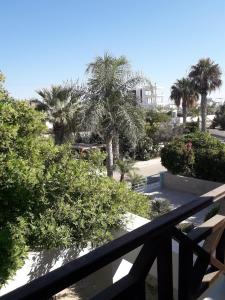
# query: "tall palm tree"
{"type": "Point", "coordinates": [183, 91]}
{"type": "Point", "coordinates": [112, 108]}
{"type": "Point", "coordinates": [206, 77]}
{"type": "Point", "coordinates": [62, 104]}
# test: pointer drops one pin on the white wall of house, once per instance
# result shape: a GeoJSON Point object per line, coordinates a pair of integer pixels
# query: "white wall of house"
{"type": "Point", "coordinates": [209, 119]}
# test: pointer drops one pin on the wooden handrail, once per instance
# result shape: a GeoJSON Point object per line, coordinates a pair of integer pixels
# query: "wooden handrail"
{"type": "Point", "coordinates": [48, 285]}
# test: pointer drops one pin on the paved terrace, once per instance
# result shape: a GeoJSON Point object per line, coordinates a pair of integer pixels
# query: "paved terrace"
{"type": "Point", "coordinates": [176, 199]}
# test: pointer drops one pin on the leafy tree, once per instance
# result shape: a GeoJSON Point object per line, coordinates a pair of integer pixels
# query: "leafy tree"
{"type": "Point", "coordinates": [63, 104]}
{"type": "Point", "coordinates": [183, 92]}
{"type": "Point", "coordinates": [48, 197]}
{"type": "Point", "coordinates": [219, 119]}
{"type": "Point", "coordinates": [206, 77]}
{"type": "Point", "coordinates": [3, 92]}
{"type": "Point", "coordinates": [211, 107]}
{"type": "Point", "coordinates": [194, 111]}
{"type": "Point", "coordinates": [13, 248]}
{"type": "Point", "coordinates": [153, 117]}
{"type": "Point", "coordinates": [112, 108]}
{"type": "Point", "coordinates": [157, 131]}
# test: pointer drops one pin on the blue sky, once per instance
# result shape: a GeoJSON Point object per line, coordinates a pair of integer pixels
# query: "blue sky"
{"type": "Point", "coordinates": [45, 42]}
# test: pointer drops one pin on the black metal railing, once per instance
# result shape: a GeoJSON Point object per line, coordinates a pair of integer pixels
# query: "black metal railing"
{"type": "Point", "coordinates": [156, 240]}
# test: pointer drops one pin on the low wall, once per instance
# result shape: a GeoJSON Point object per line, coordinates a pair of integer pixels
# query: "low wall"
{"type": "Point", "coordinates": [41, 263]}
{"type": "Point", "coordinates": [209, 119]}
{"type": "Point", "coordinates": [187, 184]}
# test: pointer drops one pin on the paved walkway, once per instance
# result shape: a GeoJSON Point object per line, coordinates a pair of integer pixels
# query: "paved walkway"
{"type": "Point", "coordinates": [219, 134]}
{"type": "Point", "coordinates": [177, 199]}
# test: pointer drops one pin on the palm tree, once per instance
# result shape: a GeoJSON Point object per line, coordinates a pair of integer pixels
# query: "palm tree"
{"type": "Point", "coordinates": [63, 103]}
{"type": "Point", "coordinates": [124, 166]}
{"type": "Point", "coordinates": [111, 107]}
{"type": "Point", "coordinates": [135, 179]}
{"type": "Point", "coordinates": [182, 91]}
{"type": "Point", "coordinates": [206, 77]}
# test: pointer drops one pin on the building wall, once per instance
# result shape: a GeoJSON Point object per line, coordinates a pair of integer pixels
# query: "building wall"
{"type": "Point", "coordinates": [149, 97]}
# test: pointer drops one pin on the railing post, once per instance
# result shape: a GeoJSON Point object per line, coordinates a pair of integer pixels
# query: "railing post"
{"type": "Point", "coordinates": [185, 272]}
{"type": "Point", "coordinates": [143, 264]}
{"type": "Point", "coordinates": [165, 269]}
{"type": "Point", "coordinates": [139, 293]}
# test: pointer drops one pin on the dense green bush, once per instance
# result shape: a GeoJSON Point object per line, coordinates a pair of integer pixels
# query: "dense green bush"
{"type": "Point", "coordinates": [199, 155]}
{"type": "Point", "coordinates": [191, 127]}
{"type": "Point", "coordinates": [48, 197]}
{"type": "Point", "coordinates": [219, 119]}
{"type": "Point", "coordinates": [159, 207]}
{"type": "Point", "coordinates": [210, 164]}
{"type": "Point", "coordinates": [177, 157]}
{"type": "Point", "coordinates": [13, 248]}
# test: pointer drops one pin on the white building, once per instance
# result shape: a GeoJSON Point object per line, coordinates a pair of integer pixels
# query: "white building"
{"type": "Point", "coordinates": [150, 95]}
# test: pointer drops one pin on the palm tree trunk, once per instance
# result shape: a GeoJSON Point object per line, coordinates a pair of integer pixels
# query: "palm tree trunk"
{"type": "Point", "coordinates": [122, 177]}
{"type": "Point", "coordinates": [116, 147]}
{"type": "Point", "coordinates": [203, 111]}
{"type": "Point", "coordinates": [58, 131]}
{"type": "Point", "coordinates": [109, 161]}
{"type": "Point", "coordinates": [184, 114]}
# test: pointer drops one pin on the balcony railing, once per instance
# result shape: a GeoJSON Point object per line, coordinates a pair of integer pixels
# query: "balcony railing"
{"type": "Point", "coordinates": [198, 265]}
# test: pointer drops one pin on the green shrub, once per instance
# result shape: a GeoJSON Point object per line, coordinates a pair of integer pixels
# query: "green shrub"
{"type": "Point", "coordinates": [202, 140]}
{"type": "Point", "coordinates": [191, 127]}
{"type": "Point", "coordinates": [219, 119]}
{"type": "Point", "coordinates": [199, 155]}
{"type": "Point", "coordinates": [159, 207]}
{"type": "Point", "coordinates": [210, 164]}
{"type": "Point", "coordinates": [13, 249]}
{"type": "Point", "coordinates": [60, 200]}
{"type": "Point", "coordinates": [178, 158]}
{"type": "Point", "coordinates": [135, 179]}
